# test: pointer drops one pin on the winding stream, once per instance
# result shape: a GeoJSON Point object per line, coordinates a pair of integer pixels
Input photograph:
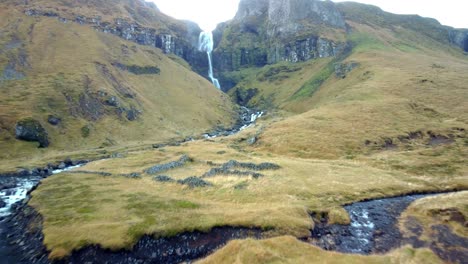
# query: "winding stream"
{"type": "Point", "coordinates": [372, 230]}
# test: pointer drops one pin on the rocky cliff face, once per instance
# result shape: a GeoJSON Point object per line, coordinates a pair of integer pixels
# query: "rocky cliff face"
{"type": "Point", "coordinates": [269, 31]}
{"type": "Point", "coordinates": [183, 43]}
{"type": "Point", "coordinates": [372, 15]}
{"type": "Point", "coordinates": [459, 37]}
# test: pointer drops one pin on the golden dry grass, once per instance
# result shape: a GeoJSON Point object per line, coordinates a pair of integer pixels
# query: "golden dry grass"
{"type": "Point", "coordinates": [290, 250]}
{"type": "Point", "coordinates": [83, 209]}
{"type": "Point", "coordinates": [175, 103]}
{"type": "Point", "coordinates": [438, 210]}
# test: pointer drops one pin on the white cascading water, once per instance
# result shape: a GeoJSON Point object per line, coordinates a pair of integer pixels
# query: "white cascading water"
{"type": "Point", "coordinates": [205, 43]}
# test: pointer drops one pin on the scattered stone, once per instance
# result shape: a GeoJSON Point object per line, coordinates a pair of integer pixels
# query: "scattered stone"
{"type": "Point", "coordinates": [53, 120]}
{"type": "Point", "coordinates": [101, 173]}
{"type": "Point", "coordinates": [163, 178]}
{"type": "Point", "coordinates": [31, 130]}
{"type": "Point", "coordinates": [193, 182]}
{"type": "Point", "coordinates": [156, 146]}
{"type": "Point", "coordinates": [2, 203]}
{"type": "Point", "coordinates": [69, 162]}
{"type": "Point", "coordinates": [132, 114]}
{"type": "Point", "coordinates": [112, 101]}
{"type": "Point", "coordinates": [227, 169]}
{"type": "Point", "coordinates": [174, 144]}
{"type": "Point", "coordinates": [251, 166]}
{"type": "Point", "coordinates": [435, 139]}
{"type": "Point", "coordinates": [168, 166]}
{"type": "Point", "coordinates": [222, 171]}
{"type": "Point", "coordinates": [388, 144]}
{"type": "Point", "coordinates": [133, 175]}
{"type": "Point", "coordinates": [102, 93]}
{"type": "Point", "coordinates": [252, 140]}
{"type": "Point", "coordinates": [62, 166]}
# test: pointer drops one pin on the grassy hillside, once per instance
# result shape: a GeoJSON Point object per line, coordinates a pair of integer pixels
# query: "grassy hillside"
{"type": "Point", "coordinates": [403, 106]}
{"type": "Point", "coordinates": [106, 91]}
{"type": "Point", "coordinates": [392, 122]}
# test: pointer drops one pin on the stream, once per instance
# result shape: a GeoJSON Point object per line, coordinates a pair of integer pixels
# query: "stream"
{"type": "Point", "coordinates": [372, 230]}
{"type": "Point", "coordinates": [13, 190]}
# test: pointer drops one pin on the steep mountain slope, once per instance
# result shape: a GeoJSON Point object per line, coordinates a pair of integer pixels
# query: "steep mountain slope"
{"type": "Point", "coordinates": [398, 85]}
{"type": "Point", "coordinates": [360, 104]}
{"type": "Point", "coordinates": [91, 89]}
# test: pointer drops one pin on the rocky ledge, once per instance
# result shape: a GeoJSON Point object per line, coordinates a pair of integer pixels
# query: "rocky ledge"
{"type": "Point", "coordinates": [182, 44]}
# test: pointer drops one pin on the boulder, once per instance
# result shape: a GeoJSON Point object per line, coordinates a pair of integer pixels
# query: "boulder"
{"type": "Point", "coordinates": [342, 69]}
{"type": "Point", "coordinates": [112, 101]}
{"type": "Point", "coordinates": [53, 120]}
{"type": "Point", "coordinates": [132, 114]}
{"type": "Point", "coordinates": [252, 140]}
{"type": "Point", "coordinates": [31, 130]}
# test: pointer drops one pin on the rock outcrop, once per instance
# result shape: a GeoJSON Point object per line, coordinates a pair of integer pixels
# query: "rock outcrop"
{"type": "Point", "coordinates": [181, 40]}
{"type": "Point", "coordinates": [342, 69]}
{"type": "Point", "coordinates": [31, 130]}
{"type": "Point", "coordinates": [270, 31]}
{"type": "Point", "coordinates": [459, 37]}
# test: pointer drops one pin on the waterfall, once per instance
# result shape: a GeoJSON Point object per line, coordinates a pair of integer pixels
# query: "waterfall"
{"type": "Point", "coordinates": [205, 43]}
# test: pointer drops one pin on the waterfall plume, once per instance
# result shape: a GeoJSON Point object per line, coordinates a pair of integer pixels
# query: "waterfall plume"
{"type": "Point", "coordinates": [205, 44]}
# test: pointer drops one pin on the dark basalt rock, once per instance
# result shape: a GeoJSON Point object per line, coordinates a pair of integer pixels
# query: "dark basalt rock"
{"type": "Point", "coordinates": [101, 173]}
{"type": "Point", "coordinates": [54, 120]}
{"type": "Point", "coordinates": [132, 114]}
{"type": "Point", "coordinates": [163, 178]}
{"type": "Point", "coordinates": [342, 69]}
{"type": "Point", "coordinates": [133, 175]}
{"type": "Point", "coordinates": [243, 96]}
{"type": "Point", "coordinates": [112, 101]}
{"type": "Point", "coordinates": [168, 166]}
{"type": "Point", "coordinates": [31, 130]}
{"type": "Point", "coordinates": [194, 181]}
{"type": "Point", "coordinates": [22, 238]}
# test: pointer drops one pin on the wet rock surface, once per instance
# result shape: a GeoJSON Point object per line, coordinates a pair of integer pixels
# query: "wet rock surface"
{"type": "Point", "coordinates": [185, 247]}
{"type": "Point", "coordinates": [21, 238]}
{"type": "Point", "coordinates": [374, 230]}
{"type": "Point", "coordinates": [373, 227]}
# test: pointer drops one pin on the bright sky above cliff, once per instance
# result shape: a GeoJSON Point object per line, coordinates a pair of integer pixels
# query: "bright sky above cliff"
{"type": "Point", "coordinates": [208, 13]}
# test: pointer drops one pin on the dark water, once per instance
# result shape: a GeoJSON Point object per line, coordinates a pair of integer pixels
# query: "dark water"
{"type": "Point", "coordinates": [373, 227]}
{"type": "Point", "coordinates": [12, 191]}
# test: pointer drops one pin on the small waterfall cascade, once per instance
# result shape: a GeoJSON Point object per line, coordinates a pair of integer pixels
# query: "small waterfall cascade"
{"type": "Point", "coordinates": [205, 43]}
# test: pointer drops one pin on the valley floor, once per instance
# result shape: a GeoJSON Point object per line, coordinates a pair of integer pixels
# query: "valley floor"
{"type": "Point", "coordinates": [220, 182]}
